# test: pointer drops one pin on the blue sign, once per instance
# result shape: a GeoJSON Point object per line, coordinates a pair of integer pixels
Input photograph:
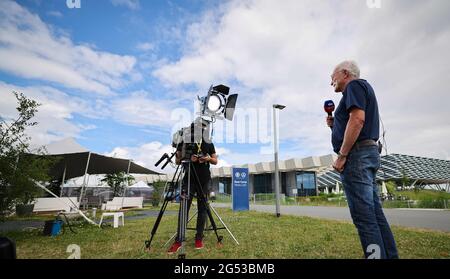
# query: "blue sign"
{"type": "Point", "coordinates": [240, 193]}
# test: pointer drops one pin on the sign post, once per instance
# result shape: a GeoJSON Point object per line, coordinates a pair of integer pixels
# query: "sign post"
{"type": "Point", "coordinates": [240, 193]}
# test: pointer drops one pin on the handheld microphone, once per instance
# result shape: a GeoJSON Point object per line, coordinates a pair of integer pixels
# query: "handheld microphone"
{"type": "Point", "coordinates": [329, 107]}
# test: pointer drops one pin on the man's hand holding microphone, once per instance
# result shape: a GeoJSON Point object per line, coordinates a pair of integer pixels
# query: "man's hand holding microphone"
{"type": "Point", "coordinates": [329, 108]}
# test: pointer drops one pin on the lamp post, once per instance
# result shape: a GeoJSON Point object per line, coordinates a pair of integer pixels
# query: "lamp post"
{"type": "Point", "coordinates": [277, 174]}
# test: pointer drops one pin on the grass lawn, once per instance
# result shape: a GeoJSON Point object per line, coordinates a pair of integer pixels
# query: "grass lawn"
{"type": "Point", "coordinates": [261, 236]}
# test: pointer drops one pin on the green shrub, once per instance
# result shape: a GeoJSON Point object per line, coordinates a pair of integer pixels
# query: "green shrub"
{"type": "Point", "coordinates": [158, 188]}
{"type": "Point", "coordinates": [430, 203]}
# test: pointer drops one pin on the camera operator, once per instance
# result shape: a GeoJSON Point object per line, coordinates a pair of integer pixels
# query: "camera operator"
{"type": "Point", "coordinates": [202, 156]}
{"type": "Point", "coordinates": [355, 134]}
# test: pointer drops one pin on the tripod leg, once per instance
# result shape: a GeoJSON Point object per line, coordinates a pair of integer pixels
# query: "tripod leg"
{"type": "Point", "coordinates": [182, 221]}
{"type": "Point", "coordinates": [221, 221]}
{"type": "Point", "coordinates": [155, 227]}
{"type": "Point", "coordinates": [175, 234]}
{"type": "Point", "coordinates": [213, 223]}
{"type": "Point", "coordinates": [160, 215]}
{"type": "Point", "coordinates": [183, 216]}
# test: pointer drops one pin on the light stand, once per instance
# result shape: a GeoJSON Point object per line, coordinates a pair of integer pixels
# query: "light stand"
{"type": "Point", "coordinates": [277, 172]}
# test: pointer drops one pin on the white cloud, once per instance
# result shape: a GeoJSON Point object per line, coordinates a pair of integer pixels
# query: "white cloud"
{"type": "Point", "coordinates": [284, 52]}
{"type": "Point", "coordinates": [145, 46]}
{"type": "Point", "coordinates": [131, 4]}
{"type": "Point", "coordinates": [57, 14]}
{"type": "Point", "coordinates": [54, 116]}
{"type": "Point", "coordinates": [149, 153]}
{"type": "Point", "coordinates": [145, 155]}
{"type": "Point", "coordinates": [238, 159]}
{"type": "Point", "coordinates": [142, 109]}
{"type": "Point", "coordinates": [30, 48]}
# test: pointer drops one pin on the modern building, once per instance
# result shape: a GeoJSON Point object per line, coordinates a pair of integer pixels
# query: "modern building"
{"type": "Point", "coordinates": [297, 176]}
{"type": "Point", "coordinates": [418, 172]}
{"type": "Point", "coordinates": [309, 176]}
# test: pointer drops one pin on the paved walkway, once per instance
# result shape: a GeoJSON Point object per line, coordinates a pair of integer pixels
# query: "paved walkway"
{"type": "Point", "coordinates": [415, 218]}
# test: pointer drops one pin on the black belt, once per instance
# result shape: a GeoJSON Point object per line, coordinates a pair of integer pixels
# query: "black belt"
{"type": "Point", "coordinates": [363, 143]}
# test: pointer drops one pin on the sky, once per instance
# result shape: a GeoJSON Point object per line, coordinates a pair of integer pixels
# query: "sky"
{"type": "Point", "coordinates": [121, 76]}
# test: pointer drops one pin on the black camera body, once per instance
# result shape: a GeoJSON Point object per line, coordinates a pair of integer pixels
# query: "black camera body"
{"type": "Point", "coordinates": [189, 139]}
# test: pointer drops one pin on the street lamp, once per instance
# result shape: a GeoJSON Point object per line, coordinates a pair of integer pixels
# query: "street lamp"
{"type": "Point", "coordinates": [277, 174]}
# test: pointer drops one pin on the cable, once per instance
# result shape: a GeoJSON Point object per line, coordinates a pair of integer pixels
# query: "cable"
{"type": "Point", "coordinates": [67, 221]}
{"type": "Point", "coordinates": [384, 136]}
{"type": "Point", "coordinates": [384, 146]}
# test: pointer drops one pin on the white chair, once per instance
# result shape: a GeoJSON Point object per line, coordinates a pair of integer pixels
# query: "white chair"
{"type": "Point", "coordinates": [116, 216]}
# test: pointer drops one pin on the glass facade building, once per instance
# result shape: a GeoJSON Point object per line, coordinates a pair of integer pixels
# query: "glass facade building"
{"type": "Point", "coordinates": [306, 183]}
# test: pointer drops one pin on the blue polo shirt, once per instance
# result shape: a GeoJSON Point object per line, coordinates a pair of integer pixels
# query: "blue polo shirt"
{"type": "Point", "coordinates": [357, 94]}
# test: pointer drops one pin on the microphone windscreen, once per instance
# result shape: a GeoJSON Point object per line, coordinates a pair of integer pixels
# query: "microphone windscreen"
{"type": "Point", "coordinates": [329, 106]}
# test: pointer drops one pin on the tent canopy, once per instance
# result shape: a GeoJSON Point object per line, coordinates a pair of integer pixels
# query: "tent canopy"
{"type": "Point", "coordinates": [72, 160]}
{"type": "Point", "coordinates": [140, 184]}
{"type": "Point", "coordinates": [65, 146]}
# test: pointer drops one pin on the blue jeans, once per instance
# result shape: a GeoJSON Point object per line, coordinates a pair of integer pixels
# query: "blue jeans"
{"type": "Point", "coordinates": [361, 190]}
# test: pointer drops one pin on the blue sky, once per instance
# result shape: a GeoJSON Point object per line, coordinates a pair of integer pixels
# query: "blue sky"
{"type": "Point", "coordinates": [113, 73]}
{"type": "Point", "coordinates": [117, 29]}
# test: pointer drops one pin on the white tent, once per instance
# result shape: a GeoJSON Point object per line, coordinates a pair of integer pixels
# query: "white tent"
{"type": "Point", "coordinates": [326, 191]}
{"type": "Point", "coordinates": [92, 181]}
{"type": "Point", "coordinates": [337, 190]}
{"type": "Point", "coordinates": [384, 190]}
{"type": "Point", "coordinates": [140, 184]}
{"type": "Point", "coordinates": [76, 161]}
{"type": "Point", "coordinates": [139, 189]}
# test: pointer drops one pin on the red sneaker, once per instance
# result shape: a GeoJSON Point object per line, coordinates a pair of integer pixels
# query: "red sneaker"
{"type": "Point", "coordinates": [198, 244]}
{"type": "Point", "coordinates": [174, 248]}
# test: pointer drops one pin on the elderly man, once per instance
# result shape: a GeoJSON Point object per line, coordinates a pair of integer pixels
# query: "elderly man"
{"type": "Point", "coordinates": [355, 134]}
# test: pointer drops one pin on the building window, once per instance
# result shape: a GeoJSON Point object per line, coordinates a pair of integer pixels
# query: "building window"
{"type": "Point", "coordinates": [262, 183]}
{"type": "Point", "coordinates": [306, 183]}
{"type": "Point", "coordinates": [284, 183]}
{"type": "Point", "coordinates": [225, 185]}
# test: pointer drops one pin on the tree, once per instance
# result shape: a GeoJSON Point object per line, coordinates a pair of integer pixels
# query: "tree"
{"type": "Point", "coordinates": [117, 180]}
{"type": "Point", "coordinates": [390, 187]}
{"type": "Point", "coordinates": [19, 170]}
{"type": "Point", "coordinates": [158, 188]}
{"type": "Point", "coordinates": [405, 179]}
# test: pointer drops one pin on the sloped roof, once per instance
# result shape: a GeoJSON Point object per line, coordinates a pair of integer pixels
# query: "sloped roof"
{"type": "Point", "coordinates": [72, 159]}
{"type": "Point", "coordinates": [65, 146]}
{"type": "Point", "coordinates": [309, 163]}
{"type": "Point", "coordinates": [398, 166]}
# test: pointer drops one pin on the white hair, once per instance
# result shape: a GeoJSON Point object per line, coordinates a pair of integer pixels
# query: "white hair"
{"type": "Point", "coordinates": [351, 67]}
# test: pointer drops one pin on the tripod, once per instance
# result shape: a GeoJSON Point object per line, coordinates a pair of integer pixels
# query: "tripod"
{"type": "Point", "coordinates": [185, 192]}
{"type": "Point", "coordinates": [210, 228]}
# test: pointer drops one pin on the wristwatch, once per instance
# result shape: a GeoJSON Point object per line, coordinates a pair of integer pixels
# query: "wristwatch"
{"type": "Point", "coordinates": [340, 155]}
